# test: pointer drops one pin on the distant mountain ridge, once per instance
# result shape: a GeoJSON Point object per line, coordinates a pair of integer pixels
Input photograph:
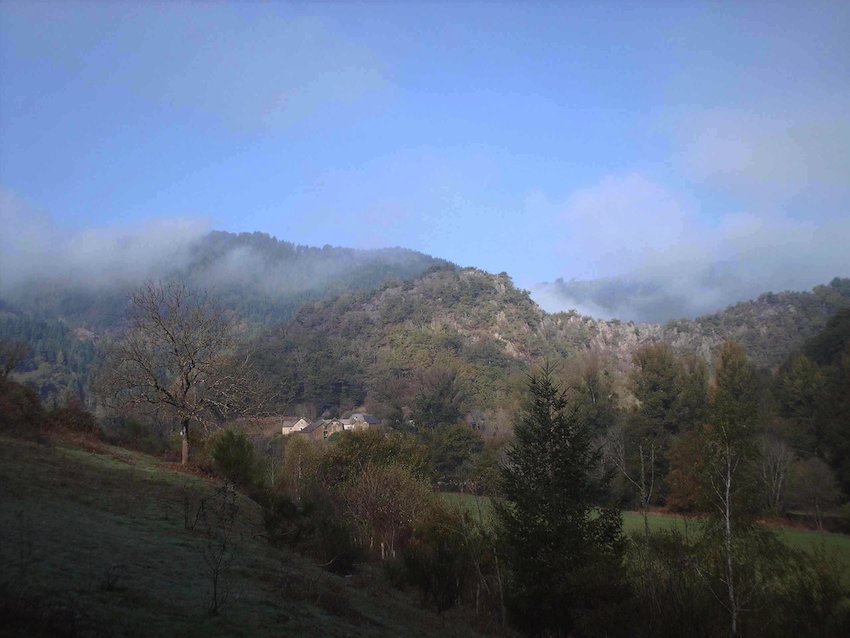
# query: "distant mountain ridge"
{"type": "Point", "coordinates": [261, 278]}
{"type": "Point", "coordinates": [769, 327]}
{"type": "Point", "coordinates": [481, 307]}
{"type": "Point", "coordinates": [390, 312]}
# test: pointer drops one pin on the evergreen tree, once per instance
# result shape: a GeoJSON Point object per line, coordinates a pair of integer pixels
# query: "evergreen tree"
{"type": "Point", "coordinates": [800, 397]}
{"type": "Point", "coordinates": [563, 556]}
{"type": "Point", "coordinates": [671, 399]}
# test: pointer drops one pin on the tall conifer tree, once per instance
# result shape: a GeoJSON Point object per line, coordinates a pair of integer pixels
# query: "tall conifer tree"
{"type": "Point", "coordinates": [563, 555]}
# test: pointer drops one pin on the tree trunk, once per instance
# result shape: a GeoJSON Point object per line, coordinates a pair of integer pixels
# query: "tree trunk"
{"type": "Point", "coordinates": [646, 496]}
{"type": "Point", "coordinates": [502, 606]}
{"type": "Point", "coordinates": [727, 520]}
{"type": "Point", "coordinates": [185, 433]}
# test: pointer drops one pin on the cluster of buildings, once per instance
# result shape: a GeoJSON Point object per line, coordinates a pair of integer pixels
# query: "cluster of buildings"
{"type": "Point", "coordinates": [322, 429]}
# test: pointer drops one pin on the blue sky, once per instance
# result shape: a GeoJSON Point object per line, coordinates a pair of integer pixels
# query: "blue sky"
{"type": "Point", "coordinates": [660, 160]}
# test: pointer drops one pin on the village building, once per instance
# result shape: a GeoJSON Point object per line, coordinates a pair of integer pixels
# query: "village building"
{"type": "Point", "coordinates": [365, 421]}
{"type": "Point", "coordinates": [292, 424]}
{"type": "Point", "coordinates": [323, 429]}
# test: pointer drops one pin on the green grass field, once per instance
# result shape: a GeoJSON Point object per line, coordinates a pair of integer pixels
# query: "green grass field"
{"type": "Point", "coordinates": [837, 545]}
{"type": "Point", "coordinates": [93, 542]}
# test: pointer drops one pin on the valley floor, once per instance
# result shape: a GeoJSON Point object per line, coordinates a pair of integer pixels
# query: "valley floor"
{"type": "Point", "coordinates": [837, 545]}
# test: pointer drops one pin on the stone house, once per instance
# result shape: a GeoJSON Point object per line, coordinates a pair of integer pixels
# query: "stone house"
{"type": "Point", "coordinates": [323, 429]}
{"type": "Point", "coordinates": [292, 424]}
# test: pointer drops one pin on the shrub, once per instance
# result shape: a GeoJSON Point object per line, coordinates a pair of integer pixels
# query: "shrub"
{"type": "Point", "coordinates": [280, 518]}
{"type": "Point", "coordinates": [20, 408]}
{"type": "Point", "coordinates": [74, 417]}
{"type": "Point", "coordinates": [671, 598]}
{"type": "Point", "coordinates": [233, 457]}
{"type": "Point", "coordinates": [384, 503]}
{"type": "Point", "coordinates": [438, 559]}
{"type": "Point", "coordinates": [810, 598]}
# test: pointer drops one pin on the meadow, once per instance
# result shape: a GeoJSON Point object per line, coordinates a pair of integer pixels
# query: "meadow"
{"type": "Point", "coordinates": [836, 545]}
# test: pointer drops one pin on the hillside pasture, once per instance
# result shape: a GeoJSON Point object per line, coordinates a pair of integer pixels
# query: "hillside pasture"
{"type": "Point", "coordinates": [93, 541]}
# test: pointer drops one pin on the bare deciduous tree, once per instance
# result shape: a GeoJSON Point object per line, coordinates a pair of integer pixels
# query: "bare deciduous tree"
{"type": "Point", "coordinates": [644, 480]}
{"type": "Point", "coordinates": [776, 459]}
{"type": "Point", "coordinates": [219, 550]}
{"type": "Point", "coordinates": [179, 357]}
{"type": "Point", "coordinates": [384, 503]}
{"type": "Point", "coordinates": [728, 451]}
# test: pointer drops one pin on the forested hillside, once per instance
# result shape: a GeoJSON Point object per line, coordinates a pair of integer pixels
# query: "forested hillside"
{"type": "Point", "coordinates": [56, 360]}
{"type": "Point", "coordinates": [260, 279]}
{"type": "Point", "coordinates": [337, 353]}
{"type": "Point", "coordinates": [465, 324]}
{"type": "Point", "coordinates": [337, 326]}
{"type": "Point", "coordinates": [263, 279]}
{"type": "Point", "coordinates": [613, 415]}
{"type": "Point", "coordinates": [771, 326]}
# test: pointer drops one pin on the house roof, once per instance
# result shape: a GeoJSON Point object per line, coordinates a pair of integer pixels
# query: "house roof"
{"type": "Point", "coordinates": [267, 425]}
{"type": "Point", "coordinates": [315, 425]}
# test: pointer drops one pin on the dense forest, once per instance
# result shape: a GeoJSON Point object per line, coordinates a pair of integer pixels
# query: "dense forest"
{"type": "Point", "coordinates": [262, 279]}
{"type": "Point", "coordinates": [372, 317]}
{"type": "Point", "coordinates": [258, 278]}
{"type": "Point", "coordinates": [57, 361]}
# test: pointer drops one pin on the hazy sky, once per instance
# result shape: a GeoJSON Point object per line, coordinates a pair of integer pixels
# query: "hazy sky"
{"type": "Point", "coordinates": [662, 160]}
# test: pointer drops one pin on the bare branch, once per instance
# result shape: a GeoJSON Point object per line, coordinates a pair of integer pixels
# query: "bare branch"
{"type": "Point", "coordinates": [179, 356]}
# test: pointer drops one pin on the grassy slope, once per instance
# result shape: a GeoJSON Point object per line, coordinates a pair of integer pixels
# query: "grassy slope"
{"type": "Point", "coordinates": [835, 544]}
{"type": "Point", "coordinates": [94, 543]}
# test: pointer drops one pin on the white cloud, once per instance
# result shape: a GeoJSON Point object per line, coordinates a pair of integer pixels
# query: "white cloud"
{"type": "Point", "coordinates": [770, 157]}
{"type": "Point", "coordinates": [35, 246]}
{"type": "Point", "coordinates": [616, 224]}
{"type": "Point", "coordinates": [639, 253]}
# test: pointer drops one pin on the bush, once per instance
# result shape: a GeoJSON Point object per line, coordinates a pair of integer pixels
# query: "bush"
{"type": "Point", "coordinates": [280, 517]}
{"type": "Point", "coordinates": [384, 503]}
{"type": "Point", "coordinates": [677, 582]}
{"type": "Point", "coordinates": [807, 598]}
{"type": "Point", "coordinates": [671, 598]}
{"type": "Point", "coordinates": [20, 409]}
{"type": "Point", "coordinates": [438, 559]}
{"type": "Point", "coordinates": [233, 457]}
{"type": "Point", "coordinates": [74, 417]}
{"type": "Point", "coordinates": [335, 546]}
